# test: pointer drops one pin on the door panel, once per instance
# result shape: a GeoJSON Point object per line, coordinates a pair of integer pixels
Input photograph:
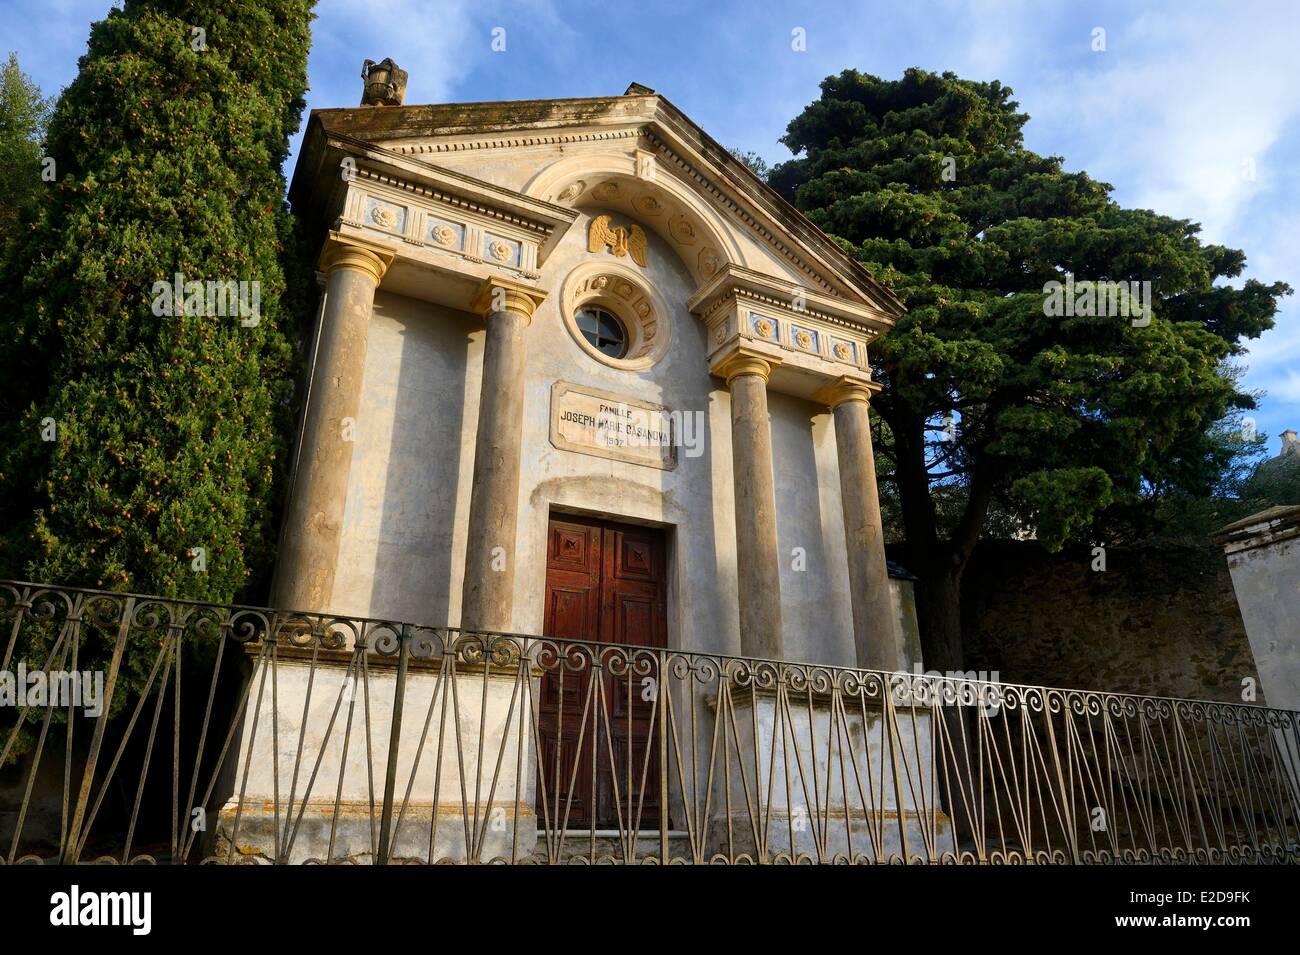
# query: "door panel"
{"type": "Point", "coordinates": [605, 583]}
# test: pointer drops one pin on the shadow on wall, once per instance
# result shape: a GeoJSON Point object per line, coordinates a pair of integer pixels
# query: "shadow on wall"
{"type": "Point", "coordinates": [814, 594]}
{"type": "Point", "coordinates": [417, 492]}
{"type": "Point", "coordinates": [1161, 618]}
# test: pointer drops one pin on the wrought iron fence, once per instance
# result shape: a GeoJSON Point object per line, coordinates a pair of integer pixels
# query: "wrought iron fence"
{"type": "Point", "coordinates": [226, 734]}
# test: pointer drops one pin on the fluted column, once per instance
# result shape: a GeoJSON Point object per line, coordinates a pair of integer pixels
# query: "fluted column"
{"type": "Point", "coordinates": [309, 545]}
{"type": "Point", "coordinates": [874, 628]}
{"type": "Point", "coordinates": [487, 601]}
{"type": "Point", "coordinates": [758, 565]}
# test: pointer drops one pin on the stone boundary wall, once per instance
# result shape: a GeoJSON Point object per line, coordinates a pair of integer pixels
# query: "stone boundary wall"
{"type": "Point", "coordinates": [1161, 619]}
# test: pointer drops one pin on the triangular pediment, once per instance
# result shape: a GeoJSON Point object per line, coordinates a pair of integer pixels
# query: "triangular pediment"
{"type": "Point", "coordinates": [635, 153]}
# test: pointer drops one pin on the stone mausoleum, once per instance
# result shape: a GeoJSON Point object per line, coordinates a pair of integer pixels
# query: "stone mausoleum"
{"type": "Point", "coordinates": [578, 372]}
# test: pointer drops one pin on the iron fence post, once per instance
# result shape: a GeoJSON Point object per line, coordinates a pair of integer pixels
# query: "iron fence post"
{"type": "Point", "coordinates": [661, 701]}
{"type": "Point", "coordinates": [394, 738]}
{"type": "Point", "coordinates": [71, 849]}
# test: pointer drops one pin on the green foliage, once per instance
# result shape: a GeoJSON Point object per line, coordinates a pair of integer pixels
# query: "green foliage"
{"type": "Point", "coordinates": [1066, 500]}
{"type": "Point", "coordinates": [753, 162]}
{"type": "Point", "coordinates": [1235, 452]}
{"type": "Point", "coordinates": [169, 431]}
{"type": "Point", "coordinates": [1249, 486]}
{"type": "Point", "coordinates": [1068, 425]}
{"type": "Point", "coordinates": [23, 115]}
{"type": "Point", "coordinates": [1274, 483]}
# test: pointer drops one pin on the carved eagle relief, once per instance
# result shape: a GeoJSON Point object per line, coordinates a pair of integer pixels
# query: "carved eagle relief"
{"type": "Point", "coordinates": [620, 241]}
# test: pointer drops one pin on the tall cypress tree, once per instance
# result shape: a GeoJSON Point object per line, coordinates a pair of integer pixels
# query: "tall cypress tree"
{"type": "Point", "coordinates": [143, 432]}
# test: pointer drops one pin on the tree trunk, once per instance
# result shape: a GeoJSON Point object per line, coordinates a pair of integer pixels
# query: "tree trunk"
{"type": "Point", "coordinates": [938, 564]}
{"type": "Point", "coordinates": [938, 613]}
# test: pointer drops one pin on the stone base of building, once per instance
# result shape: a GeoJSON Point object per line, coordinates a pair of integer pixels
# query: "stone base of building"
{"type": "Point", "coordinates": [881, 837]}
{"type": "Point", "coordinates": [819, 780]}
{"type": "Point", "coordinates": [312, 759]}
{"type": "Point", "coordinates": [609, 846]}
{"type": "Point", "coordinates": [349, 833]}
{"type": "Point", "coordinates": [823, 783]}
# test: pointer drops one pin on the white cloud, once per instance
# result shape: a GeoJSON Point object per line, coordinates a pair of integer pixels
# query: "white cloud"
{"type": "Point", "coordinates": [1285, 392]}
{"type": "Point", "coordinates": [1177, 103]}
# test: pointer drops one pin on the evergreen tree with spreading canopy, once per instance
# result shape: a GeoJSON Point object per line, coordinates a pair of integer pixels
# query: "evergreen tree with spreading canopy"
{"type": "Point", "coordinates": [142, 451]}
{"type": "Point", "coordinates": [1075, 425]}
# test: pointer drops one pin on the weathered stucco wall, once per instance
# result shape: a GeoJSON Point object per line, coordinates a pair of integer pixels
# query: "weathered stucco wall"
{"type": "Point", "coordinates": [1263, 553]}
{"type": "Point", "coordinates": [1267, 582]}
{"type": "Point", "coordinates": [1161, 619]}
{"type": "Point", "coordinates": [403, 542]}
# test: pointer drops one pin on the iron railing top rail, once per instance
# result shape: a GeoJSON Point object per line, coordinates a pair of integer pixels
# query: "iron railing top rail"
{"type": "Point", "coordinates": [278, 620]}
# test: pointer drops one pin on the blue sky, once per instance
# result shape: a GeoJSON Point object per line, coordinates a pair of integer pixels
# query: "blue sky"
{"type": "Point", "coordinates": [1193, 109]}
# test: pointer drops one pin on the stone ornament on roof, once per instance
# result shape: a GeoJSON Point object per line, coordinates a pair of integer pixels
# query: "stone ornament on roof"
{"type": "Point", "coordinates": [385, 83]}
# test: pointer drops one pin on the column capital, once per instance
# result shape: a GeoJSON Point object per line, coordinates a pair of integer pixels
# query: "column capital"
{"type": "Point", "coordinates": [745, 361]}
{"type": "Point", "coordinates": [344, 252]}
{"type": "Point", "coordinates": [845, 389]}
{"type": "Point", "coordinates": [500, 294]}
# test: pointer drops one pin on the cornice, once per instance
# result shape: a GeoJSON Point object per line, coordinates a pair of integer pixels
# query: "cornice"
{"type": "Point", "coordinates": [1270, 527]}
{"type": "Point", "coordinates": [661, 147]}
{"type": "Point", "coordinates": [674, 137]}
{"type": "Point", "coordinates": [671, 121]}
{"type": "Point", "coordinates": [379, 163]}
{"type": "Point", "coordinates": [517, 142]}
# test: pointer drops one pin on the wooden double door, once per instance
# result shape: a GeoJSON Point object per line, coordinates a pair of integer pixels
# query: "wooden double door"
{"type": "Point", "coordinates": [606, 583]}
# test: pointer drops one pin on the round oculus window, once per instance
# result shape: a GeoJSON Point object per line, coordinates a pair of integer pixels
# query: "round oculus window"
{"type": "Point", "coordinates": [614, 316]}
{"type": "Point", "coordinates": [603, 331]}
